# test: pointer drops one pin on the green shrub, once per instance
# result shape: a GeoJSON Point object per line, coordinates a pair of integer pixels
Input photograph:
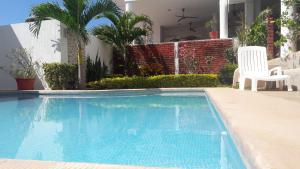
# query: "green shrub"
{"type": "Point", "coordinates": [231, 55]}
{"type": "Point", "coordinates": [151, 69]}
{"type": "Point", "coordinates": [161, 81]}
{"type": "Point", "coordinates": [226, 73]}
{"type": "Point", "coordinates": [257, 34]}
{"type": "Point", "coordinates": [61, 76]}
{"type": "Point", "coordinates": [114, 75]}
{"type": "Point", "coordinates": [94, 69]}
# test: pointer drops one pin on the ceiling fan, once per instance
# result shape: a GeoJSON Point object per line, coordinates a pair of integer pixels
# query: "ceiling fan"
{"type": "Point", "coordinates": [183, 17]}
{"type": "Point", "coordinates": [191, 27]}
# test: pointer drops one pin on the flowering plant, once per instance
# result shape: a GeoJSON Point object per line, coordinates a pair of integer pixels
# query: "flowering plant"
{"type": "Point", "coordinates": [188, 53]}
{"type": "Point", "coordinates": [22, 64]}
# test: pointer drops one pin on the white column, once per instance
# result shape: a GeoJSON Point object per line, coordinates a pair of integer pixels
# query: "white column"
{"type": "Point", "coordinates": [249, 12]}
{"type": "Point", "coordinates": [285, 49]}
{"type": "Point", "coordinates": [223, 4]}
{"type": "Point", "coordinates": [176, 54]}
{"type": "Point", "coordinates": [129, 5]}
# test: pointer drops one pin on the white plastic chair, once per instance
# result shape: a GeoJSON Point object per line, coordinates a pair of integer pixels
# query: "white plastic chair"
{"type": "Point", "coordinates": [253, 65]}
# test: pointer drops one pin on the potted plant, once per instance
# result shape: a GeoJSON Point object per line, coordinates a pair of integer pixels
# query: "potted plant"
{"type": "Point", "coordinates": [22, 68]}
{"type": "Point", "coordinates": [212, 25]}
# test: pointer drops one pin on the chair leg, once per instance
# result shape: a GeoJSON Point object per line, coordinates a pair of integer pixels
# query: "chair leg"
{"type": "Point", "coordinates": [242, 83]}
{"type": "Point", "coordinates": [253, 85]}
{"type": "Point", "coordinates": [277, 84]}
{"type": "Point", "coordinates": [289, 86]}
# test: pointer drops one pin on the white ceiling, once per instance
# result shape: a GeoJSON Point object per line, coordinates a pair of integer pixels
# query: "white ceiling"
{"type": "Point", "coordinates": [164, 11]}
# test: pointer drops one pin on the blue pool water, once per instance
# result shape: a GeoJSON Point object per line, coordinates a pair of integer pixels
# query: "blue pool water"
{"type": "Point", "coordinates": [156, 129]}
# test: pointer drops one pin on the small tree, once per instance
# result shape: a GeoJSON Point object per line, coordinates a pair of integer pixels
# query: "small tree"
{"type": "Point", "coordinates": [123, 31]}
{"type": "Point", "coordinates": [290, 21]}
{"type": "Point", "coordinates": [255, 34]}
{"type": "Point", "coordinates": [76, 15]}
{"type": "Point", "coordinates": [191, 62]}
{"type": "Point", "coordinates": [22, 65]}
{"type": "Point", "coordinates": [212, 24]}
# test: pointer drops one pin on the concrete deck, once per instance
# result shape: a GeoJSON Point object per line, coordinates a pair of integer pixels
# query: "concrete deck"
{"type": "Point", "coordinates": [266, 125]}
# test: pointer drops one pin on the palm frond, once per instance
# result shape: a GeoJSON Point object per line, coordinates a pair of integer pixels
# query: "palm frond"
{"type": "Point", "coordinates": [136, 33]}
{"type": "Point", "coordinates": [48, 10]}
{"type": "Point", "coordinates": [75, 8]}
{"type": "Point", "coordinates": [136, 19]}
{"type": "Point", "coordinates": [108, 34]}
{"type": "Point", "coordinates": [96, 9]}
{"type": "Point", "coordinates": [124, 29]}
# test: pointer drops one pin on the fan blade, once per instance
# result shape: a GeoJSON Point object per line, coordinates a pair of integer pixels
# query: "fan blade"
{"type": "Point", "coordinates": [179, 20]}
{"type": "Point", "coordinates": [191, 17]}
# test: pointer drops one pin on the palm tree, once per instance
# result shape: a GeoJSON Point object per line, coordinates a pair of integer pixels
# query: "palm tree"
{"type": "Point", "coordinates": [76, 15]}
{"type": "Point", "coordinates": [123, 31]}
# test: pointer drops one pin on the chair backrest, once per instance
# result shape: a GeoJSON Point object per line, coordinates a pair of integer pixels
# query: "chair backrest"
{"type": "Point", "coordinates": [253, 60]}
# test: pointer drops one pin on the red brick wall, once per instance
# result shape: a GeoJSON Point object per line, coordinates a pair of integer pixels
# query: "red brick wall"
{"type": "Point", "coordinates": [204, 49]}
{"type": "Point", "coordinates": [154, 53]}
{"type": "Point", "coordinates": [164, 54]}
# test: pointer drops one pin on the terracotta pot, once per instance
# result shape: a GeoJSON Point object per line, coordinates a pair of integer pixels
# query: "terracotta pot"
{"type": "Point", "coordinates": [213, 35]}
{"type": "Point", "coordinates": [25, 84]}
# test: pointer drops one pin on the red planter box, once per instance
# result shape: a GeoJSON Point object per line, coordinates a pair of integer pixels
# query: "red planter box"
{"type": "Point", "coordinates": [25, 84]}
{"type": "Point", "coordinates": [213, 35]}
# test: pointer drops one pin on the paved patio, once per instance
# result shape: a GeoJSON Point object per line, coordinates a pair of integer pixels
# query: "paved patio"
{"type": "Point", "coordinates": [266, 125]}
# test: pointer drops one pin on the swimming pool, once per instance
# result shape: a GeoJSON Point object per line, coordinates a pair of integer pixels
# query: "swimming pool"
{"type": "Point", "coordinates": [155, 129]}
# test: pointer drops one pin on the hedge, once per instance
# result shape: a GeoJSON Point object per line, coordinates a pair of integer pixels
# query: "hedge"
{"type": "Point", "coordinates": [226, 73]}
{"type": "Point", "coordinates": [160, 81]}
{"type": "Point", "coordinates": [61, 76]}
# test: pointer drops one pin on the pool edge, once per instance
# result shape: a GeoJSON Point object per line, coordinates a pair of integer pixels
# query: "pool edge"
{"type": "Point", "coordinates": [242, 149]}
{"type": "Point", "coordinates": [50, 92]}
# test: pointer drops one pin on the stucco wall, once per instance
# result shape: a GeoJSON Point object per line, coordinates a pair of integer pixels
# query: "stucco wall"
{"type": "Point", "coordinates": [104, 51]}
{"type": "Point", "coordinates": [47, 48]}
{"type": "Point", "coordinates": [93, 48]}
{"type": "Point", "coordinates": [54, 44]}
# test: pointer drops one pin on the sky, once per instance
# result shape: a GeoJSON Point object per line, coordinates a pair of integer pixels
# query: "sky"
{"type": "Point", "coordinates": [16, 11]}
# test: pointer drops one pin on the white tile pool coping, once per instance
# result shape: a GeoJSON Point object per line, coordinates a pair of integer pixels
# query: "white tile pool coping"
{"type": "Point", "coordinates": [32, 164]}
{"type": "Point", "coordinates": [265, 127]}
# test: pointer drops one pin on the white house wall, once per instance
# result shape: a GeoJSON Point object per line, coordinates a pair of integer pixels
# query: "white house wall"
{"type": "Point", "coordinates": [51, 46]}
{"type": "Point", "coordinates": [103, 50]}
{"type": "Point", "coordinates": [47, 48]}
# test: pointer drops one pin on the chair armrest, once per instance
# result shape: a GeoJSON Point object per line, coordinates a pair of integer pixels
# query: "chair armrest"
{"type": "Point", "coordinates": [276, 70]}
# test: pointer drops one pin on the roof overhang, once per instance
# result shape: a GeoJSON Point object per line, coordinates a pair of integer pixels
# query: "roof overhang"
{"type": "Point", "coordinates": [163, 11]}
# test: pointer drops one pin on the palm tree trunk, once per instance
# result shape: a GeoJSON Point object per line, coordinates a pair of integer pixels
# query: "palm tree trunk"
{"type": "Point", "coordinates": [81, 68]}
